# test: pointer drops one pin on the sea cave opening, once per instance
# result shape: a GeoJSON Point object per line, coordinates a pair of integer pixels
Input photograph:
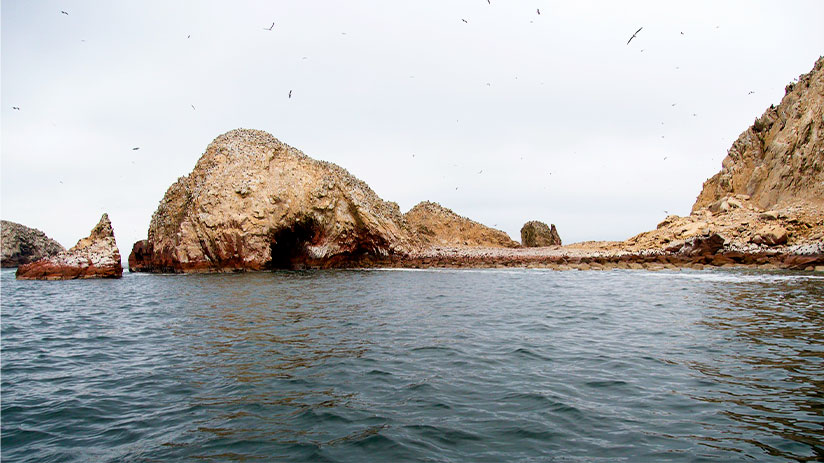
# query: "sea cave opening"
{"type": "Point", "coordinates": [288, 245]}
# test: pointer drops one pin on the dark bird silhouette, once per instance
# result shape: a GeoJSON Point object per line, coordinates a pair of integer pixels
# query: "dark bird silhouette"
{"type": "Point", "coordinates": [64, 12]}
{"type": "Point", "coordinates": [464, 20]}
{"type": "Point", "coordinates": [633, 35]}
{"type": "Point", "coordinates": [269, 28]}
{"type": "Point", "coordinates": [674, 104]}
{"type": "Point", "coordinates": [538, 10]}
{"type": "Point", "coordinates": [189, 36]}
{"type": "Point", "coordinates": [665, 158]}
{"type": "Point", "coordinates": [481, 171]}
{"type": "Point", "coordinates": [750, 92]}
{"type": "Point", "coordinates": [682, 33]}
{"type": "Point", "coordinates": [489, 1]}
{"type": "Point", "coordinates": [135, 148]}
{"type": "Point", "coordinates": [16, 108]}
{"type": "Point", "coordinates": [290, 94]}
{"type": "Point", "coordinates": [193, 107]}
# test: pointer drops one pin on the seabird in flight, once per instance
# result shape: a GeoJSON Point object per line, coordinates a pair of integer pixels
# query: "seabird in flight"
{"type": "Point", "coordinates": [633, 35]}
{"type": "Point", "coordinates": [64, 12]}
{"type": "Point", "coordinates": [269, 28]}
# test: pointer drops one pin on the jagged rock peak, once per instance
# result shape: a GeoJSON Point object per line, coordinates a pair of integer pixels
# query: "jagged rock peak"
{"type": "Point", "coordinates": [253, 202]}
{"type": "Point", "coordinates": [95, 256]}
{"type": "Point", "coordinates": [779, 161]}
{"type": "Point", "coordinates": [439, 226]}
{"type": "Point", "coordinates": [23, 245]}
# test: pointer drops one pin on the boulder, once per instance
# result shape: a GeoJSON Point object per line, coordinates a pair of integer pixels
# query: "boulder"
{"type": "Point", "coordinates": [538, 234]}
{"type": "Point", "coordinates": [95, 256]}
{"type": "Point", "coordinates": [436, 225]}
{"type": "Point", "coordinates": [770, 235]}
{"type": "Point", "coordinates": [253, 203]}
{"type": "Point", "coordinates": [705, 245]}
{"type": "Point", "coordinates": [23, 245]}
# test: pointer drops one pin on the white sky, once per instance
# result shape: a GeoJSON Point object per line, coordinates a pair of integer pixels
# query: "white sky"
{"type": "Point", "coordinates": [404, 95]}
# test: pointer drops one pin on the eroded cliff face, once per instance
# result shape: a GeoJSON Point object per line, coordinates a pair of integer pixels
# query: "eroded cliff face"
{"type": "Point", "coordinates": [436, 225]}
{"type": "Point", "coordinates": [254, 203]}
{"type": "Point", "coordinates": [23, 245]}
{"type": "Point", "coordinates": [769, 193]}
{"type": "Point", "coordinates": [779, 161]}
{"type": "Point", "coordinates": [95, 256]}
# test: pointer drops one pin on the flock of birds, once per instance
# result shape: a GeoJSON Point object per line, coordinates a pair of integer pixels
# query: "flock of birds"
{"type": "Point", "coordinates": [289, 96]}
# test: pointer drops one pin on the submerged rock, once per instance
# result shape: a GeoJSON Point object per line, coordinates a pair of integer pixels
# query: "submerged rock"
{"type": "Point", "coordinates": [439, 226]}
{"type": "Point", "coordinates": [23, 245]}
{"type": "Point", "coordinates": [95, 256]}
{"type": "Point", "coordinates": [253, 203]}
{"type": "Point", "coordinates": [537, 234]}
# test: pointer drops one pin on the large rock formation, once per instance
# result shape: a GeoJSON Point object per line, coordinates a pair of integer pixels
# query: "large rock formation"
{"type": "Point", "coordinates": [779, 161]}
{"type": "Point", "coordinates": [439, 226]}
{"type": "Point", "coordinates": [770, 190]}
{"type": "Point", "coordinates": [23, 245]}
{"type": "Point", "coordinates": [255, 203]}
{"type": "Point", "coordinates": [95, 256]}
{"type": "Point", "coordinates": [537, 234]}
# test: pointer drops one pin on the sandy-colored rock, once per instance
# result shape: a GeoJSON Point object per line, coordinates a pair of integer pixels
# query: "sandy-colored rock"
{"type": "Point", "coordinates": [770, 235]}
{"type": "Point", "coordinates": [779, 161]}
{"type": "Point", "coordinates": [536, 234]}
{"type": "Point", "coordinates": [23, 245]}
{"type": "Point", "coordinates": [253, 202]}
{"type": "Point", "coordinates": [436, 225]}
{"type": "Point", "coordinates": [95, 256]}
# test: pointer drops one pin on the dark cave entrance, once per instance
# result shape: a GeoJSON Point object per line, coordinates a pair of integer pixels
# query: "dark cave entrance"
{"type": "Point", "coordinates": [288, 245]}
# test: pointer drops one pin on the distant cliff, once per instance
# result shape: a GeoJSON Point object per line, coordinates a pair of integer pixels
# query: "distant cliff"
{"type": "Point", "coordinates": [22, 245]}
{"type": "Point", "coordinates": [779, 160]}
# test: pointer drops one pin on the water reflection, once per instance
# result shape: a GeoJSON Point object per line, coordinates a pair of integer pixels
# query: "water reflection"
{"type": "Point", "coordinates": [767, 366]}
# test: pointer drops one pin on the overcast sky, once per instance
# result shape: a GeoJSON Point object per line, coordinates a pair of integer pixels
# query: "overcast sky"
{"type": "Point", "coordinates": [507, 117]}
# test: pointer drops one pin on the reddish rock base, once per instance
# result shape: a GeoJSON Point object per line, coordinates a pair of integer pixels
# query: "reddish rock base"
{"type": "Point", "coordinates": [45, 270]}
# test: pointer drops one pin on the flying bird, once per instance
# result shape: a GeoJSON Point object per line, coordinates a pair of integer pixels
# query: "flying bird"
{"type": "Point", "coordinates": [193, 107]}
{"type": "Point", "coordinates": [135, 148]}
{"type": "Point", "coordinates": [269, 28]}
{"type": "Point", "coordinates": [481, 171]}
{"type": "Point", "coordinates": [633, 35]}
{"type": "Point", "coordinates": [290, 94]}
{"type": "Point", "coordinates": [64, 12]}
{"type": "Point", "coordinates": [682, 33]}
{"type": "Point", "coordinates": [750, 92]}
{"type": "Point", "coordinates": [464, 20]}
{"type": "Point", "coordinates": [16, 108]}
{"type": "Point", "coordinates": [189, 36]}
{"type": "Point", "coordinates": [538, 10]}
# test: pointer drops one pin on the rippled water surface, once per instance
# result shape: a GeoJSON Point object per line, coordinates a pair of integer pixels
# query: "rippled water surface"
{"type": "Point", "coordinates": [440, 365]}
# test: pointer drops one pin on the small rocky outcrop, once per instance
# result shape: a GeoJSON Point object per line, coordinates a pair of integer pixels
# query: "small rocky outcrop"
{"type": "Point", "coordinates": [436, 225]}
{"type": "Point", "coordinates": [537, 234]}
{"type": "Point", "coordinates": [95, 256]}
{"type": "Point", "coordinates": [23, 245]}
{"type": "Point", "coordinates": [254, 203]}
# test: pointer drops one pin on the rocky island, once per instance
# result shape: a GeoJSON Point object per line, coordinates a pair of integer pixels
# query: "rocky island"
{"type": "Point", "coordinates": [95, 256]}
{"type": "Point", "coordinates": [255, 203]}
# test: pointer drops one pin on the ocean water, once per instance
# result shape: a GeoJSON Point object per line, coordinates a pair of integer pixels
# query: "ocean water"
{"type": "Point", "coordinates": [418, 366]}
